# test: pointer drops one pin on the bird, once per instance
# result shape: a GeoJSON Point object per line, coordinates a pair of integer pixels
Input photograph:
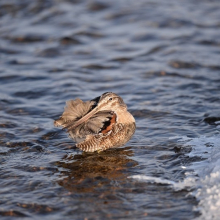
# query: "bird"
{"type": "Point", "coordinates": [98, 124]}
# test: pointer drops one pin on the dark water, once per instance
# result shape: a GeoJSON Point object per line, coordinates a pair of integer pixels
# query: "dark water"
{"type": "Point", "coordinates": [162, 57]}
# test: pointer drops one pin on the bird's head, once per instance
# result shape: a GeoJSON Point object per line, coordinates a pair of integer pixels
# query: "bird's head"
{"type": "Point", "coordinates": [109, 101]}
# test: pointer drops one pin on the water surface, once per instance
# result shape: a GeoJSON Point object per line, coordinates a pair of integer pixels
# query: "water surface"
{"type": "Point", "coordinates": [161, 57]}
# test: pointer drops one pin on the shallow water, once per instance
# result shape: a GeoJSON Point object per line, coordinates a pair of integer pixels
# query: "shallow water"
{"type": "Point", "coordinates": [161, 57]}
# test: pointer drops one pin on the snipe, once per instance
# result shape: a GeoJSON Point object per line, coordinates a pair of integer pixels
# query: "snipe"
{"type": "Point", "coordinates": [98, 124]}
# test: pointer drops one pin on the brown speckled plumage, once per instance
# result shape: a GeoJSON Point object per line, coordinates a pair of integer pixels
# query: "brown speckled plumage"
{"type": "Point", "coordinates": [99, 124]}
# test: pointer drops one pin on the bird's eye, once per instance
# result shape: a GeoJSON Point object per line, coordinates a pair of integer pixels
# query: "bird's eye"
{"type": "Point", "coordinates": [110, 99]}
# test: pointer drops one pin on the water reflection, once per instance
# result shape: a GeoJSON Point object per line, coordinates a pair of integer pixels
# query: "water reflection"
{"type": "Point", "coordinates": [87, 171]}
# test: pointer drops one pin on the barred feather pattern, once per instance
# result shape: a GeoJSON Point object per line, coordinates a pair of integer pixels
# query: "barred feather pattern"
{"type": "Point", "coordinates": [117, 137]}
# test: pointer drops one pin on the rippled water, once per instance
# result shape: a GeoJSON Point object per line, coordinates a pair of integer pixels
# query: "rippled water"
{"type": "Point", "coordinates": [162, 57]}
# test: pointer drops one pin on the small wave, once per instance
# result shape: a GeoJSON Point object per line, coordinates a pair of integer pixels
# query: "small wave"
{"type": "Point", "coordinates": [187, 183]}
{"type": "Point", "coordinates": [152, 179]}
{"type": "Point", "coordinates": [205, 183]}
{"type": "Point", "coordinates": [207, 190]}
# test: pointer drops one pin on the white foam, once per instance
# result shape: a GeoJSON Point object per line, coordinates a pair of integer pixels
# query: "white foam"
{"type": "Point", "coordinates": [152, 179]}
{"type": "Point", "coordinates": [187, 183]}
{"type": "Point", "coordinates": [205, 179]}
{"type": "Point", "coordinates": [208, 184]}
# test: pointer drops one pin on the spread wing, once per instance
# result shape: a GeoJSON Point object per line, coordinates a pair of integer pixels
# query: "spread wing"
{"type": "Point", "coordinates": [93, 126]}
{"type": "Point", "coordinates": [74, 111]}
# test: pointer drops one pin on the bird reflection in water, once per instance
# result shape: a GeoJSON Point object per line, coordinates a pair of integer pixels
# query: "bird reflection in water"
{"type": "Point", "coordinates": [88, 171]}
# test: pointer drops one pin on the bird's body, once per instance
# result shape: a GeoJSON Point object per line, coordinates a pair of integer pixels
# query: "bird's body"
{"type": "Point", "coordinates": [99, 124]}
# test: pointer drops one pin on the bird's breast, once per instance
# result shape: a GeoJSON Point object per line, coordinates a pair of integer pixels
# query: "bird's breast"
{"type": "Point", "coordinates": [125, 117]}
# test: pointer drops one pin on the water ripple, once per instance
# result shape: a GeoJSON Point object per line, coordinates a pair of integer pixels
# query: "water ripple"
{"type": "Point", "coordinates": [161, 57]}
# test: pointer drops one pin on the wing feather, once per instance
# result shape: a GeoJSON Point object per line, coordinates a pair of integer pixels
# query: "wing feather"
{"type": "Point", "coordinates": [76, 109]}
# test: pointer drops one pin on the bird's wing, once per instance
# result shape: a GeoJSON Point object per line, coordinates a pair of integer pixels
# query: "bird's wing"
{"type": "Point", "coordinates": [74, 110]}
{"type": "Point", "coordinates": [98, 122]}
{"type": "Point", "coordinates": [92, 126]}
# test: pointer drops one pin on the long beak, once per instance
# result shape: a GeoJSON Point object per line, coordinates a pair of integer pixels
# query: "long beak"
{"type": "Point", "coordinates": [83, 119]}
